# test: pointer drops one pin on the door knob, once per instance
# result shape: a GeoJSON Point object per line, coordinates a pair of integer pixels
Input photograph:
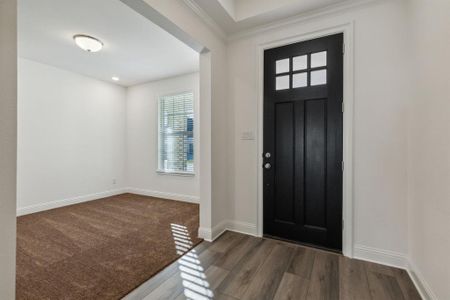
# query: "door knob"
{"type": "Point", "coordinates": [267, 165]}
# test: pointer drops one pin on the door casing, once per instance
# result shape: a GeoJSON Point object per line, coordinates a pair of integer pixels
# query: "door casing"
{"type": "Point", "coordinates": [347, 198]}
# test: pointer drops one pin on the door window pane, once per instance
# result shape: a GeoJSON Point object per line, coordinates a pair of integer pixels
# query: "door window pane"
{"type": "Point", "coordinates": [300, 80]}
{"type": "Point", "coordinates": [282, 83]}
{"type": "Point", "coordinates": [319, 77]}
{"type": "Point", "coordinates": [300, 63]}
{"type": "Point", "coordinates": [319, 59]}
{"type": "Point", "coordinates": [282, 66]}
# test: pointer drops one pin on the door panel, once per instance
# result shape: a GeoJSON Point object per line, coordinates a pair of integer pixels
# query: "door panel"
{"type": "Point", "coordinates": [315, 163]}
{"type": "Point", "coordinates": [284, 134]}
{"type": "Point", "coordinates": [303, 89]}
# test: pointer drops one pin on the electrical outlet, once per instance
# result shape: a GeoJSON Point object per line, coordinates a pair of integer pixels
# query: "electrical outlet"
{"type": "Point", "coordinates": [114, 181]}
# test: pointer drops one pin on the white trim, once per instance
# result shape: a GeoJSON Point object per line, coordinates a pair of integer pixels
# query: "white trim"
{"type": "Point", "coordinates": [302, 17]}
{"type": "Point", "coordinates": [206, 18]}
{"type": "Point", "coordinates": [164, 195]}
{"type": "Point", "coordinates": [175, 173]}
{"type": "Point", "coordinates": [211, 235]}
{"type": "Point", "coordinates": [421, 284]}
{"type": "Point", "coordinates": [242, 227]}
{"type": "Point", "coordinates": [205, 233]}
{"type": "Point", "coordinates": [219, 229]}
{"type": "Point", "coordinates": [348, 30]}
{"type": "Point", "coordinates": [381, 256]}
{"type": "Point", "coordinates": [366, 253]}
{"type": "Point", "coordinates": [68, 201]}
{"type": "Point", "coordinates": [79, 199]}
{"type": "Point", "coordinates": [397, 260]}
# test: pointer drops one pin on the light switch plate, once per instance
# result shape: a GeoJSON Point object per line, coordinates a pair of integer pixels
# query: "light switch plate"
{"type": "Point", "coordinates": [247, 136]}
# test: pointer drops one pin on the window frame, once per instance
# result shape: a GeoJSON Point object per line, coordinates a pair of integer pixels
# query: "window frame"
{"type": "Point", "coordinates": [159, 169]}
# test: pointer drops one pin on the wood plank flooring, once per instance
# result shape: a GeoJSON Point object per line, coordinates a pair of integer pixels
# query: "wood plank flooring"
{"type": "Point", "coordinates": [238, 266]}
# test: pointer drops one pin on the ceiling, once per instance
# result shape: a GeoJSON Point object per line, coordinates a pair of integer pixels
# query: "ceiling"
{"type": "Point", "coordinates": [234, 16]}
{"type": "Point", "coordinates": [135, 49]}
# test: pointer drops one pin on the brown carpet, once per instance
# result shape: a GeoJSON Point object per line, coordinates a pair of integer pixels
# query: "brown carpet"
{"type": "Point", "coordinates": [101, 249]}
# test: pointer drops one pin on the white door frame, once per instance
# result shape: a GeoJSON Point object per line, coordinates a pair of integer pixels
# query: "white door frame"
{"type": "Point", "coordinates": [347, 205]}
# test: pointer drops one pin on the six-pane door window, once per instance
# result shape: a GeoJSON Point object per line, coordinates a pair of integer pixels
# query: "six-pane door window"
{"type": "Point", "coordinates": [301, 71]}
{"type": "Point", "coordinates": [176, 133]}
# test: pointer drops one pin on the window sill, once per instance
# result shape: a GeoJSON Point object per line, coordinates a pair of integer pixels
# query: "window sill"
{"type": "Point", "coordinates": [175, 173]}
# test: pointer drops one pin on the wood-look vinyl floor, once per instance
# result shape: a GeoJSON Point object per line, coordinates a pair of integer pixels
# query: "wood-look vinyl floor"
{"type": "Point", "coordinates": [238, 266]}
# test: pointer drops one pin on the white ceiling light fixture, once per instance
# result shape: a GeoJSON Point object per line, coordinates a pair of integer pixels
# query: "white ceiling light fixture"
{"type": "Point", "coordinates": [88, 43]}
{"type": "Point", "coordinates": [115, 78]}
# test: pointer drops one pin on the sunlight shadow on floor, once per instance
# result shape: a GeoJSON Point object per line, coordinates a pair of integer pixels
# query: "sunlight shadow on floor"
{"type": "Point", "coordinates": [195, 284]}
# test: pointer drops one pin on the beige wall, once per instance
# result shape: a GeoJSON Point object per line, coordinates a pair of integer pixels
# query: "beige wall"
{"type": "Point", "coordinates": [8, 114]}
{"type": "Point", "coordinates": [380, 121]}
{"type": "Point", "coordinates": [429, 146]}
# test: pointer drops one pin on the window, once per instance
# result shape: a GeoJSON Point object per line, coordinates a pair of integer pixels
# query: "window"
{"type": "Point", "coordinates": [176, 133]}
{"type": "Point", "coordinates": [307, 70]}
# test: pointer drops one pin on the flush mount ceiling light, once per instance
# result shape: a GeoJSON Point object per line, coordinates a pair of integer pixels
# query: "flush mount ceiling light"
{"type": "Point", "coordinates": [115, 78]}
{"type": "Point", "coordinates": [88, 43]}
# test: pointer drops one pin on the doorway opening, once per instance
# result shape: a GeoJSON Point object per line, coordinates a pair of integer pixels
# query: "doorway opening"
{"type": "Point", "coordinates": [109, 133]}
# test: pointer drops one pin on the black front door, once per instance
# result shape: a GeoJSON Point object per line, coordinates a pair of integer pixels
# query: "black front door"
{"type": "Point", "coordinates": [303, 93]}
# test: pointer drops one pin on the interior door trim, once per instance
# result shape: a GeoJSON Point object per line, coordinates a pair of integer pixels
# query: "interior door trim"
{"type": "Point", "coordinates": [347, 29]}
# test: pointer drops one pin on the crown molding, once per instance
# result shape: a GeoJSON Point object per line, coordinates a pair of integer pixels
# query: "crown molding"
{"type": "Point", "coordinates": [302, 17]}
{"type": "Point", "coordinates": [206, 18]}
{"type": "Point", "coordinates": [338, 7]}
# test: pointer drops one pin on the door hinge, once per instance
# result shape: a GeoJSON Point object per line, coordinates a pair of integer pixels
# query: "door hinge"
{"type": "Point", "coordinates": [342, 166]}
{"type": "Point", "coordinates": [343, 224]}
{"type": "Point", "coordinates": [343, 48]}
{"type": "Point", "coordinates": [342, 106]}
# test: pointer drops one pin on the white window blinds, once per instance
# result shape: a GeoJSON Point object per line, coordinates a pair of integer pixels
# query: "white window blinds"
{"type": "Point", "coordinates": [176, 133]}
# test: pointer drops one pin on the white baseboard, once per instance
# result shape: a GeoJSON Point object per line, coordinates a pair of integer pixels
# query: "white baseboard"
{"type": "Point", "coordinates": [205, 233]}
{"type": "Point", "coordinates": [219, 229]}
{"type": "Point", "coordinates": [381, 256]}
{"type": "Point", "coordinates": [211, 234]}
{"type": "Point", "coordinates": [398, 260]}
{"type": "Point", "coordinates": [170, 196]}
{"type": "Point", "coordinates": [68, 201]}
{"type": "Point", "coordinates": [421, 284]}
{"type": "Point", "coordinates": [242, 227]}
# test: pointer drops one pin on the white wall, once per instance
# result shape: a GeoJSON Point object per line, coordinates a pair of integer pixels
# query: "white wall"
{"type": "Point", "coordinates": [429, 151]}
{"type": "Point", "coordinates": [142, 139]}
{"type": "Point", "coordinates": [78, 135]}
{"type": "Point", "coordinates": [71, 137]}
{"type": "Point", "coordinates": [380, 120]}
{"type": "Point", "coordinates": [8, 138]}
